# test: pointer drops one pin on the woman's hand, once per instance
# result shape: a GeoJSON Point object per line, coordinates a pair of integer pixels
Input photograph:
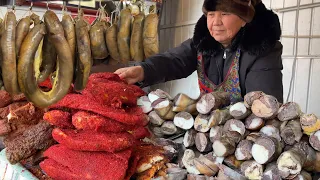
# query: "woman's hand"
{"type": "Point", "coordinates": [131, 74]}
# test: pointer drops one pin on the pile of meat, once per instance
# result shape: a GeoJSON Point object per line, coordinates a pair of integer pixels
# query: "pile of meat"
{"type": "Point", "coordinates": [25, 135]}
{"type": "Point", "coordinates": [99, 132]}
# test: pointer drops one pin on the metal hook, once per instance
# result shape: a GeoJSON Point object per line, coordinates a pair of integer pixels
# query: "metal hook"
{"type": "Point", "coordinates": [64, 4]}
{"type": "Point", "coordinates": [105, 10]}
{"type": "Point", "coordinates": [111, 19]}
{"type": "Point", "coordinates": [47, 5]}
{"type": "Point", "coordinates": [13, 4]}
{"type": "Point", "coordinates": [79, 6]}
{"type": "Point", "coordinates": [98, 14]}
{"type": "Point", "coordinates": [142, 6]}
{"type": "Point", "coordinates": [118, 6]}
{"type": "Point", "coordinates": [64, 7]}
{"type": "Point", "coordinates": [153, 10]}
{"type": "Point", "coordinates": [31, 5]}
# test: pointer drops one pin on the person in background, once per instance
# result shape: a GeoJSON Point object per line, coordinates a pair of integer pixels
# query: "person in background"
{"type": "Point", "coordinates": [235, 48]}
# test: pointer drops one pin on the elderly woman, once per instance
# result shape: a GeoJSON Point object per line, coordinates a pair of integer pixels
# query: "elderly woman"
{"type": "Point", "coordinates": [235, 48]}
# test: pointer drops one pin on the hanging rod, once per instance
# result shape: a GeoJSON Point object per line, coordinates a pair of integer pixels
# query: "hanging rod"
{"type": "Point", "coordinates": [72, 9]}
{"type": "Point", "coordinates": [301, 36]}
{"type": "Point", "coordinates": [301, 57]}
{"type": "Point", "coordinates": [294, 8]}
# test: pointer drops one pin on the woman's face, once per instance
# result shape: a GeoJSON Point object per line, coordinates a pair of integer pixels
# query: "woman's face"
{"type": "Point", "coordinates": [223, 26]}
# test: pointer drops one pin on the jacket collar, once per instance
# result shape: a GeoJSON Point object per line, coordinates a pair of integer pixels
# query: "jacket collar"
{"type": "Point", "coordinates": [256, 37]}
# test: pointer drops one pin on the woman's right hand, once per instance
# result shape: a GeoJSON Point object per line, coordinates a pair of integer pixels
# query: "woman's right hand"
{"type": "Point", "coordinates": [132, 74]}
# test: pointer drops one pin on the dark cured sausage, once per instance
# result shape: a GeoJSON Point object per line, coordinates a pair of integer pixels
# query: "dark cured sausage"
{"type": "Point", "coordinates": [9, 65]}
{"type": "Point", "coordinates": [124, 35]}
{"type": "Point", "coordinates": [136, 44]}
{"type": "Point", "coordinates": [84, 60]}
{"type": "Point", "coordinates": [69, 32]}
{"type": "Point", "coordinates": [22, 30]}
{"type": "Point", "coordinates": [49, 58]}
{"type": "Point", "coordinates": [97, 40]}
{"type": "Point", "coordinates": [63, 79]}
{"type": "Point", "coordinates": [150, 35]}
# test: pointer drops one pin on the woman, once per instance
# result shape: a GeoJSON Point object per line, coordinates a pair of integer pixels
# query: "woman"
{"type": "Point", "coordinates": [235, 48]}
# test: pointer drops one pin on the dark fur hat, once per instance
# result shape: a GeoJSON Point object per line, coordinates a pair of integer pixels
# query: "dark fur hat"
{"type": "Point", "coordinates": [243, 8]}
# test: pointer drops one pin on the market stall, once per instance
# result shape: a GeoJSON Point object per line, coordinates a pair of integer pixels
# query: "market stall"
{"type": "Point", "coordinates": [66, 115]}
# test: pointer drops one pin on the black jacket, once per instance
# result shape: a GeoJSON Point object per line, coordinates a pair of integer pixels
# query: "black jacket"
{"type": "Point", "coordinates": [260, 61]}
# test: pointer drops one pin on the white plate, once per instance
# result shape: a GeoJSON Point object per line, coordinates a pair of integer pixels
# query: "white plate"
{"type": "Point", "coordinates": [13, 172]}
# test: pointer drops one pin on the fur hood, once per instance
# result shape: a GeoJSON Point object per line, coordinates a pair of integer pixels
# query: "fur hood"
{"type": "Point", "coordinates": [256, 37]}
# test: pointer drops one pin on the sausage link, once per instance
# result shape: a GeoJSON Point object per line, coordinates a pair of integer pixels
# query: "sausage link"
{"type": "Point", "coordinates": [124, 36]}
{"type": "Point", "coordinates": [136, 43]}
{"type": "Point", "coordinates": [49, 58]}
{"type": "Point", "coordinates": [150, 35]}
{"type": "Point", "coordinates": [22, 30]}
{"type": "Point", "coordinates": [84, 60]}
{"type": "Point", "coordinates": [1, 28]}
{"type": "Point", "coordinates": [69, 33]}
{"type": "Point", "coordinates": [111, 40]}
{"type": "Point", "coordinates": [97, 41]}
{"type": "Point", "coordinates": [9, 65]}
{"type": "Point", "coordinates": [63, 79]}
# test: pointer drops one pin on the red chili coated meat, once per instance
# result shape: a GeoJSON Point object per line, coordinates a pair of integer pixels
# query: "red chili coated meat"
{"type": "Point", "coordinates": [87, 165]}
{"type": "Point", "coordinates": [89, 141]}
{"type": "Point", "coordinates": [130, 116]}
{"type": "Point", "coordinates": [83, 120]}
{"type": "Point", "coordinates": [140, 132]}
{"type": "Point", "coordinates": [59, 118]}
